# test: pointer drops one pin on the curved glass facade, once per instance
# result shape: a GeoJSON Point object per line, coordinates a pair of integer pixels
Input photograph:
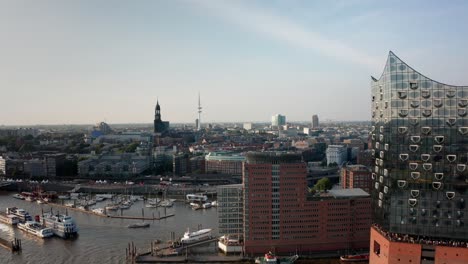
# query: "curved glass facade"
{"type": "Point", "coordinates": [420, 146]}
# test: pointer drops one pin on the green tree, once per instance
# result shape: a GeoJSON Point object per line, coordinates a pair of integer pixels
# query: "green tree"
{"type": "Point", "coordinates": [323, 185]}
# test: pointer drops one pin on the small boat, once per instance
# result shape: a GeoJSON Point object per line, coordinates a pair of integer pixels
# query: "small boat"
{"type": "Point", "coordinates": [64, 197]}
{"type": "Point", "coordinates": [191, 237]}
{"type": "Point", "coordinates": [270, 258]}
{"type": "Point", "coordinates": [166, 203]}
{"type": "Point", "coordinates": [62, 225]}
{"type": "Point", "coordinates": [36, 229]}
{"type": "Point", "coordinates": [195, 206]}
{"type": "Point", "coordinates": [214, 203]}
{"type": "Point", "coordinates": [139, 225]}
{"type": "Point", "coordinates": [112, 207]}
{"type": "Point", "coordinates": [124, 206]}
{"type": "Point", "coordinates": [99, 199]}
{"type": "Point", "coordinates": [355, 258]}
{"type": "Point", "coordinates": [41, 201]}
{"type": "Point", "coordinates": [206, 205]}
{"type": "Point", "coordinates": [9, 218]}
{"type": "Point", "coordinates": [154, 201]}
{"type": "Point", "coordinates": [30, 199]}
{"type": "Point", "coordinates": [151, 205]}
{"type": "Point", "coordinates": [18, 196]}
{"type": "Point", "coordinates": [100, 211]}
{"type": "Point", "coordinates": [70, 204]}
{"type": "Point", "coordinates": [20, 213]}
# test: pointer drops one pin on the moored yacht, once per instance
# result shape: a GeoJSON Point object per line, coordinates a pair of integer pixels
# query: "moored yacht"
{"type": "Point", "coordinates": [191, 237]}
{"type": "Point", "coordinates": [62, 225]}
{"type": "Point", "coordinates": [36, 229]}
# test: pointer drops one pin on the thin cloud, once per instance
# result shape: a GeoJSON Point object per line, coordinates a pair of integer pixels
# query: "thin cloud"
{"type": "Point", "coordinates": [286, 30]}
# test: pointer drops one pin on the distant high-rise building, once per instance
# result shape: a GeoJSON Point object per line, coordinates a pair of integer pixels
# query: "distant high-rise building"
{"type": "Point", "coordinates": [278, 120]}
{"type": "Point", "coordinates": [248, 126]}
{"type": "Point", "coordinates": [315, 121]}
{"type": "Point", "coordinates": [420, 176]}
{"type": "Point", "coordinates": [159, 125]}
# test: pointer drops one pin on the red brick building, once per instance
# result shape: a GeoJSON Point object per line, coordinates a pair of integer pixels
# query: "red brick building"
{"type": "Point", "coordinates": [281, 216]}
{"type": "Point", "coordinates": [356, 176]}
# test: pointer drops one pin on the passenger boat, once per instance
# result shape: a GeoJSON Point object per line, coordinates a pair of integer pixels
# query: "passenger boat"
{"type": "Point", "coordinates": [36, 229]}
{"type": "Point", "coordinates": [196, 198]}
{"type": "Point", "coordinates": [20, 213]}
{"type": "Point", "coordinates": [191, 237]}
{"type": "Point", "coordinates": [62, 225]}
{"type": "Point", "coordinates": [355, 258]}
{"type": "Point", "coordinates": [9, 218]}
{"type": "Point", "coordinates": [139, 225]}
{"type": "Point", "coordinates": [18, 196]}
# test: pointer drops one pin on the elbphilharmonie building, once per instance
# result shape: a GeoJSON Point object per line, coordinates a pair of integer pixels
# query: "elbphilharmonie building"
{"type": "Point", "coordinates": [420, 185]}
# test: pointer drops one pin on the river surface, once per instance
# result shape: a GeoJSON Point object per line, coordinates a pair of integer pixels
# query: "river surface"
{"type": "Point", "coordinates": [101, 240]}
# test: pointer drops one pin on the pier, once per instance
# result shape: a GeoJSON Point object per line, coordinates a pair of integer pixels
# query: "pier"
{"type": "Point", "coordinates": [139, 217]}
{"type": "Point", "coordinates": [13, 246]}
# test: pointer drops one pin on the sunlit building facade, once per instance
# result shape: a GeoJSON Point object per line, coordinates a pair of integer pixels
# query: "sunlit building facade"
{"type": "Point", "coordinates": [419, 177]}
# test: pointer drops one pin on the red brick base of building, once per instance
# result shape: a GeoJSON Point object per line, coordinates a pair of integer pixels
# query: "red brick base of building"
{"type": "Point", "coordinates": [385, 251]}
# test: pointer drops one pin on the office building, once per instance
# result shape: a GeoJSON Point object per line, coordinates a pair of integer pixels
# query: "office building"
{"type": "Point", "coordinates": [278, 120]}
{"type": "Point", "coordinates": [281, 216]}
{"type": "Point", "coordinates": [230, 210]}
{"type": "Point", "coordinates": [336, 154]}
{"type": "Point", "coordinates": [419, 135]}
{"type": "Point", "coordinates": [224, 163]}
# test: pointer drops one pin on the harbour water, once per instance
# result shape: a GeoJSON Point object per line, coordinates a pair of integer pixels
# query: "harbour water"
{"type": "Point", "coordinates": [101, 240]}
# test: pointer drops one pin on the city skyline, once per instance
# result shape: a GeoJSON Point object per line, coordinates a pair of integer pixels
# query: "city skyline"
{"type": "Point", "coordinates": [73, 63]}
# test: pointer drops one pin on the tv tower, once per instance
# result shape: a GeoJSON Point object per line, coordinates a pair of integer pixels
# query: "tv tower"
{"type": "Point", "coordinates": [199, 113]}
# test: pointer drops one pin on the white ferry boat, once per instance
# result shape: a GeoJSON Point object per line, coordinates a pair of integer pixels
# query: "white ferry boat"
{"type": "Point", "coordinates": [196, 236]}
{"type": "Point", "coordinates": [62, 225]}
{"type": "Point", "coordinates": [9, 218]}
{"type": "Point", "coordinates": [20, 213]}
{"type": "Point", "coordinates": [196, 198]}
{"type": "Point", "coordinates": [36, 229]}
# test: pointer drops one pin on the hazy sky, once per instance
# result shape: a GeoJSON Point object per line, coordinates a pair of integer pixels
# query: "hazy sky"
{"type": "Point", "coordinates": [64, 62]}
